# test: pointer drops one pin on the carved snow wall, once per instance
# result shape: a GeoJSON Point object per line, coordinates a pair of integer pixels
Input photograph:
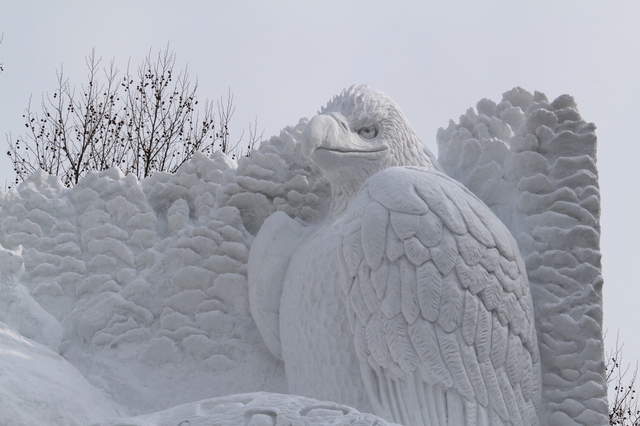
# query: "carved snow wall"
{"type": "Point", "coordinates": [534, 163]}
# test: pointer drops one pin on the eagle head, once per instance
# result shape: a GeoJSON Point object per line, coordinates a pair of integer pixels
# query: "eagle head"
{"type": "Point", "coordinates": [359, 133]}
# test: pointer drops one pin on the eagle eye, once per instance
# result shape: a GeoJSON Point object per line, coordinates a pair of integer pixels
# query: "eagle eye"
{"type": "Point", "coordinates": [368, 132]}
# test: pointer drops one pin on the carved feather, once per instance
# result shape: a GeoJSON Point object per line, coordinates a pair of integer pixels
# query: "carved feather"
{"type": "Point", "coordinates": [518, 323]}
{"type": "Point", "coordinates": [364, 271]}
{"type": "Point", "coordinates": [429, 229]}
{"type": "Point", "coordinates": [369, 295]}
{"type": "Point", "coordinates": [400, 346]}
{"type": "Point", "coordinates": [505, 280]}
{"type": "Point", "coordinates": [509, 396]}
{"type": "Point", "coordinates": [527, 308]}
{"type": "Point", "coordinates": [536, 379]}
{"type": "Point", "coordinates": [523, 408]}
{"type": "Point", "coordinates": [515, 355]}
{"type": "Point", "coordinates": [391, 304]}
{"type": "Point", "coordinates": [469, 318]}
{"type": "Point", "coordinates": [357, 302]}
{"type": "Point", "coordinates": [527, 375]}
{"type": "Point", "coordinates": [520, 286]}
{"type": "Point", "coordinates": [395, 247]}
{"type": "Point", "coordinates": [353, 220]}
{"type": "Point", "coordinates": [379, 279]}
{"type": "Point", "coordinates": [393, 193]}
{"type": "Point", "coordinates": [491, 295]}
{"type": "Point", "coordinates": [483, 335]}
{"type": "Point", "coordinates": [351, 315]}
{"type": "Point", "coordinates": [423, 337]}
{"type": "Point", "coordinates": [475, 225]}
{"type": "Point", "coordinates": [441, 205]}
{"type": "Point", "coordinates": [360, 342]}
{"type": "Point", "coordinates": [404, 225]}
{"type": "Point", "coordinates": [508, 308]}
{"type": "Point", "coordinates": [451, 353]}
{"type": "Point", "coordinates": [410, 304]}
{"type": "Point", "coordinates": [451, 303]}
{"type": "Point", "coordinates": [415, 251]}
{"type": "Point", "coordinates": [376, 341]}
{"type": "Point", "coordinates": [490, 260]}
{"type": "Point", "coordinates": [352, 250]}
{"type": "Point", "coordinates": [533, 413]}
{"type": "Point", "coordinates": [465, 273]}
{"type": "Point", "coordinates": [470, 249]}
{"type": "Point", "coordinates": [471, 413]}
{"type": "Point", "coordinates": [499, 336]}
{"type": "Point", "coordinates": [349, 227]}
{"type": "Point", "coordinates": [470, 359]}
{"type": "Point", "coordinates": [429, 290]}
{"type": "Point", "coordinates": [480, 279]}
{"type": "Point", "coordinates": [509, 267]}
{"type": "Point", "coordinates": [496, 397]}
{"type": "Point", "coordinates": [373, 234]}
{"type": "Point", "coordinates": [501, 236]}
{"type": "Point", "coordinates": [445, 254]}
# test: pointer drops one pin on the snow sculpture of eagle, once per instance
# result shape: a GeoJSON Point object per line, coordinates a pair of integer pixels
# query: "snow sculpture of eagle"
{"type": "Point", "coordinates": [410, 298]}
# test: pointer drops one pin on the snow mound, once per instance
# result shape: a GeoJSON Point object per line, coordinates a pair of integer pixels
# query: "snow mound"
{"type": "Point", "coordinates": [255, 409]}
{"type": "Point", "coordinates": [38, 387]}
{"type": "Point", "coordinates": [534, 163]}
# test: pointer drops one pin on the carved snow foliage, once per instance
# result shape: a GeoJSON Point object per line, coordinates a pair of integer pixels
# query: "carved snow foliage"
{"type": "Point", "coordinates": [159, 264]}
{"type": "Point", "coordinates": [533, 162]}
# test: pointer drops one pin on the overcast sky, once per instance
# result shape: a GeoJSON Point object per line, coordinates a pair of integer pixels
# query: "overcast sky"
{"type": "Point", "coordinates": [284, 59]}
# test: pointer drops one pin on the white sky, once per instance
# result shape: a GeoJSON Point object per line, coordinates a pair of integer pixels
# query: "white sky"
{"type": "Point", "coordinates": [284, 59]}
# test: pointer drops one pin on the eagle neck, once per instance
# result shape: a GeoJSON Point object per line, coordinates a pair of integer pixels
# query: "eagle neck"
{"type": "Point", "coordinates": [341, 195]}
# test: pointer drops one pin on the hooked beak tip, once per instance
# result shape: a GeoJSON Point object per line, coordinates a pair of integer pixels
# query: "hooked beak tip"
{"type": "Point", "coordinates": [318, 132]}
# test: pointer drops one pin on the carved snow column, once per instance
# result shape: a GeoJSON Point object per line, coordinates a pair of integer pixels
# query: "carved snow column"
{"type": "Point", "coordinates": [534, 163]}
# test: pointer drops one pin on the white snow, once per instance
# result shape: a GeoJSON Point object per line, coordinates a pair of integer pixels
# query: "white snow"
{"type": "Point", "coordinates": [141, 286]}
{"type": "Point", "coordinates": [121, 297]}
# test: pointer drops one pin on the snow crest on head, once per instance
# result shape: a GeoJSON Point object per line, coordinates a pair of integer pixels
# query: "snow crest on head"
{"type": "Point", "coordinates": [359, 103]}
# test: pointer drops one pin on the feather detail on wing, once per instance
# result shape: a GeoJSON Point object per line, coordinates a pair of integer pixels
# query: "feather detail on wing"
{"type": "Point", "coordinates": [441, 302]}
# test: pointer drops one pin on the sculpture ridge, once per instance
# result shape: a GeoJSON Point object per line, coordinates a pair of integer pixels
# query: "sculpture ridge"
{"type": "Point", "coordinates": [534, 163]}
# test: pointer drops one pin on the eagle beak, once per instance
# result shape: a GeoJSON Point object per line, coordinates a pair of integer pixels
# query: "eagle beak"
{"type": "Point", "coordinates": [322, 131]}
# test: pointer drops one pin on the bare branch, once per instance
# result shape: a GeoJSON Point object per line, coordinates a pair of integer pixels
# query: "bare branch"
{"type": "Point", "coordinates": [141, 122]}
{"type": "Point", "coordinates": [623, 404]}
{"type": "Point", "coordinates": [1, 38]}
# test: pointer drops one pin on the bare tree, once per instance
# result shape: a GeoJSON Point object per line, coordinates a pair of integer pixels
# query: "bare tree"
{"type": "Point", "coordinates": [623, 407]}
{"type": "Point", "coordinates": [141, 123]}
{"type": "Point", "coordinates": [1, 38]}
{"type": "Point", "coordinates": [254, 137]}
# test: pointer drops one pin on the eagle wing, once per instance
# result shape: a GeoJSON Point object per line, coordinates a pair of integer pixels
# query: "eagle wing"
{"type": "Point", "coordinates": [439, 304]}
{"type": "Point", "coordinates": [267, 265]}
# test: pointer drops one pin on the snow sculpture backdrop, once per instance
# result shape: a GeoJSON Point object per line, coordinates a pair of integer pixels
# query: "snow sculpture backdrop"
{"type": "Point", "coordinates": [142, 286]}
{"type": "Point", "coordinates": [534, 163]}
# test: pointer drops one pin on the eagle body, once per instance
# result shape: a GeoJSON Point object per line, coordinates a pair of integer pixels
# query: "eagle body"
{"type": "Point", "coordinates": [317, 343]}
{"type": "Point", "coordinates": [410, 298]}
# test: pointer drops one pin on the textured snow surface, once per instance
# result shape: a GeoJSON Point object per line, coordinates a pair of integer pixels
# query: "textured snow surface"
{"type": "Point", "coordinates": [38, 387]}
{"type": "Point", "coordinates": [255, 409]}
{"type": "Point", "coordinates": [141, 286]}
{"type": "Point", "coordinates": [534, 163]}
{"type": "Point", "coordinates": [410, 298]}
